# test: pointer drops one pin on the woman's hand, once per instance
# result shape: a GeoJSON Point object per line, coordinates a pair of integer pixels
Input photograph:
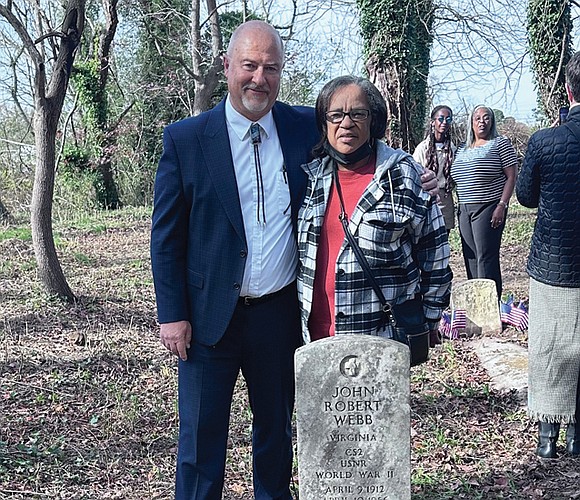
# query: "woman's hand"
{"type": "Point", "coordinates": [498, 216]}
{"type": "Point", "coordinates": [429, 183]}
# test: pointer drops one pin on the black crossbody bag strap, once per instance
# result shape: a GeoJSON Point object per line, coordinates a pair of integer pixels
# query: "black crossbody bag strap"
{"type": "Point", "coordinates": [360, 257]}
{"type": "Point", "coordinates": [573, 127]}
{"type": "Point", "coordinates": [417, 341]}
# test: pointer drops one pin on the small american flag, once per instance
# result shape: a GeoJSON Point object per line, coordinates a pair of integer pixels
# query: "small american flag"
{"type": "Point", "coordinates": [514, 315]}
{"type": "Point", "coordinates": [451, 323]}
{"type": "Point", "coordinates": [459, 319]}
{"type": "Point", "coordinates": [445, 325]}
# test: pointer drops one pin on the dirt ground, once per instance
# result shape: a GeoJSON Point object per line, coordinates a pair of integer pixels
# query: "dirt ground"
{"type": "Point", "coordinates": [88, 395]}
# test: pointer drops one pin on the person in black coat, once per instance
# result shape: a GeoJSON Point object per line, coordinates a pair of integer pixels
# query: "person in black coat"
{"type": "Point", "coordinates": [550, 181]}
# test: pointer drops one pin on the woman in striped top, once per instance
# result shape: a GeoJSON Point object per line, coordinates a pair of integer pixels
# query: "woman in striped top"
{"type": "Point", "coordinates": [484, 172]}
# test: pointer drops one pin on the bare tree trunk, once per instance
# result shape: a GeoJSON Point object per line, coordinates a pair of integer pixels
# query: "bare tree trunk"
{"type": "Point", "coordinates": [388, 81]}
{"type": "Point", "coordinates": [49, 269]}
{"type": "Point", "coordinates": [205, 84]}
{"type": "Point", "coordinates": [48, 109]}
{"type": "Point", "coordinates": [48, 101]}
{"type": "Point", "coordinates": [105, 165]}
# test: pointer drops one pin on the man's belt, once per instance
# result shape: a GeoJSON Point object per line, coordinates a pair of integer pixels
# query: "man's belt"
{"type": "Point", "coordinates": [252, 301]}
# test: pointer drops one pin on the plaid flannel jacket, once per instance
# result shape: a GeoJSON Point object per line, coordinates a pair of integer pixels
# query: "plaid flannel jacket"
{"type": "Point", "coordinates": [404, 241]}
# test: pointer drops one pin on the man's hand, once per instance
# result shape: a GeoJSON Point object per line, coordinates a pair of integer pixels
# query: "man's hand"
{"type": "Point", "coordinates": [176, 337]}
{"type": "Point", "coordinates": [429, 183]}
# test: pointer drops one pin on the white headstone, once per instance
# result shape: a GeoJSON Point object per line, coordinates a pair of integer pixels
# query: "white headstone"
{"type": "Point", "coordinates": [478, 297]}
{"type": "Point", "coordinates": [353, 419]}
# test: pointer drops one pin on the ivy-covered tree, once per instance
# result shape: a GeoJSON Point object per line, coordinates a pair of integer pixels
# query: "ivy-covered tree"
{"type": "Point", "coordinates": [163, 87]}
{"type": "Point", "coordinates": [90, 79]}
{"type": "Point", "coordinates": [549, 35]}
{"type": "Point", "coordinates": [397, 40]}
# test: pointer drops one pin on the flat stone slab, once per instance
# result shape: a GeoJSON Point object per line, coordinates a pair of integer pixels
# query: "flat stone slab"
{"type": "Point", "coordinates": [506, 363]}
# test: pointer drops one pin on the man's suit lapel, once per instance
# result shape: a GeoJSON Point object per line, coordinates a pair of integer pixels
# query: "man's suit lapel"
{"type": "Point", "coordinates": [293, 152]}
{"type": "Point", "coordinates": [218, 157]}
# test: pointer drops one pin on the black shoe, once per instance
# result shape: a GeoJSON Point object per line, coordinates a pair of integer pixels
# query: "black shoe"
{"type": "Point", "coordinates": [573, 430]}
{"type": "Point", "coordinates": [547, 439]}
{"type": "Point", "coordinates": [435, 338]}
{"type": "Point", "coordinates": [573, 439]}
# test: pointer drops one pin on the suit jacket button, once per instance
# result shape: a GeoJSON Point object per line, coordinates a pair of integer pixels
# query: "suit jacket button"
{"type": "Point", "coordinates": [237, 286]}
{"type": "Point", "coordinates": [243, 254]}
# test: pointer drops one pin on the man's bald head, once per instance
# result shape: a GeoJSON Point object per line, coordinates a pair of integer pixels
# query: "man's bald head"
{"type": "Point", "coordinates": [260, 28]}
{"type": "Point", "coordinates": [253, 66]}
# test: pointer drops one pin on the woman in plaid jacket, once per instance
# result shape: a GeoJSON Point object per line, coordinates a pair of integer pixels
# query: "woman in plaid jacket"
{"type": "Point", "coordinates": [397, 225]}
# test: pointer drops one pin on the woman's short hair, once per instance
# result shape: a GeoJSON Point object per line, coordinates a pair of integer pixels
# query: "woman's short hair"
{"type": "Point", "coordinates": [377, 107]}
{"type": "Point", "coordinates": [493, 133]}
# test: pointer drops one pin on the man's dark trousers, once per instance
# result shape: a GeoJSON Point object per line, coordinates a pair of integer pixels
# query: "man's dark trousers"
{"type": "Point", "coordinates": [260, 340]}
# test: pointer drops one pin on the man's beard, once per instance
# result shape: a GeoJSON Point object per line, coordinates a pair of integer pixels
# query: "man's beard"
{"type": "Point", "coordinates": [254, 105]}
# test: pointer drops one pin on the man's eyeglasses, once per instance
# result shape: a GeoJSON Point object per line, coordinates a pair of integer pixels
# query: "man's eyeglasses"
{"type": "Point", "coordinates": [446, 119]}
{"type": "Point", "coordinates": [356, 115]}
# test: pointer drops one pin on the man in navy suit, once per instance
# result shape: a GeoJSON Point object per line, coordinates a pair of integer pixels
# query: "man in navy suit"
{"type": "Point", "coordinates": [224, 263]}
{"type": "Point", "coordinates": [224, 259]}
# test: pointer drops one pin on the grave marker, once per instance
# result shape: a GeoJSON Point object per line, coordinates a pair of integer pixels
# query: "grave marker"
{"type": "Point", "coordinates": [479, 299]}
{"type": "Point", "coordinates": [353, 419]}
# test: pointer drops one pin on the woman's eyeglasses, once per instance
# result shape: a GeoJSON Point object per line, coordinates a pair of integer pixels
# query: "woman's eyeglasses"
{"type": "Point", "coordinates": [356, 115]}
{"type": "Point", "coordinates": [446, 119]}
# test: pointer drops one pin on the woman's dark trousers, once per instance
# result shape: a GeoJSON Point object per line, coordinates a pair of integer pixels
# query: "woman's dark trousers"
{"type": "Point", "coordinates": [480, 242]}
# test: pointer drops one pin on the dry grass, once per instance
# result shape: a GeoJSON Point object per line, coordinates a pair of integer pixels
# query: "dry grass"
{"type": "Point", "coordinates": [87, 393]}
